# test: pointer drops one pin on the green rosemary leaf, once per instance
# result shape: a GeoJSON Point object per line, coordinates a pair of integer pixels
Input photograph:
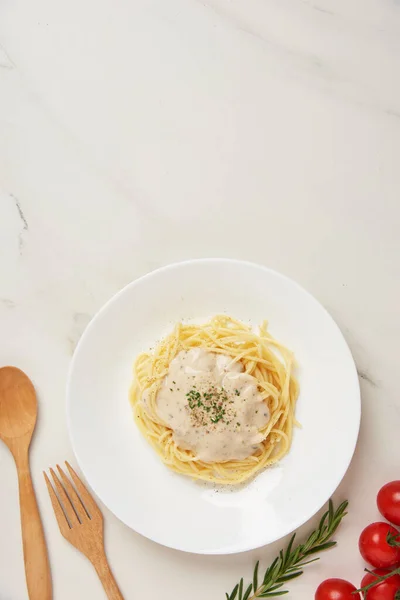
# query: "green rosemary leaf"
{"type": "Point", "coordinates": [312, 539]}
{"type": "Point", "coordinates": [289, 549]}
{"type": "Point", "coordinates": [227, 597]}
{"type": "Point", "coordinates": [303, 564]}
{"type": "Point", "coordinates": [273, 594]}
{"type": "Point", "coordinates": [321, 548]}
{"type": "Point", "coordinates": [331, 532]}
{"type": "Point", "coordinates": [241, 589]}
{"type": "Point", "coordinates": [248, 592]}
{"type": "Point", "coordinates": [234, 592]}
{"type": "Point", "coordinates": [342, 507]}
{"type": "Point", "coordinates": [255, 576]}
{"type": "Point", "coordinates": [330, 510]}
{"type": "Point", "coordinates": [274, 587]}
{"type": "Point", "coordinates": [340, 513]}
{"type": "Point", "coordinates": [322, 521]}
{"type": "Point", "coordinates": [296, 555]}
{"type": "Point", "coordinates": [290, 576]}
{"type": "Point", "coordinates": [270, 570]}
{"type": "Point", "coordinates": [275, 572]}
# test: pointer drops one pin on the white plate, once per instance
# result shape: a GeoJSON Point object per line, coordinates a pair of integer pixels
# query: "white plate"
{"type": "Point", "coordinates": [122, 468]}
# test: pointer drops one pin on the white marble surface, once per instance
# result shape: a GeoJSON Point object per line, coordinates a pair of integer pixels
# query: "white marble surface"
{"type": "Point", "coordinates": [137, 133]}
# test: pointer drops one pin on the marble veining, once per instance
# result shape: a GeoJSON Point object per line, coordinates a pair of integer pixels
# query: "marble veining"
{"type": "Point", "coordinates": [364, 375]}
{"type": "Point", "coordinates": [323, 10]}
{"type": "Point", "coordinates": [8, 303]}
{"type": "Point", "coordinates": [24, 224]}
{"type": "Point", "coordinates": [79, 323]}
{"type": "Point", "coordinates": [5, 60]}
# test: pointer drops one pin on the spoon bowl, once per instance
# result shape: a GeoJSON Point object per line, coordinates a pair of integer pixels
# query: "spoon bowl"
{"type": "Point", "coordinates": [18, 405]}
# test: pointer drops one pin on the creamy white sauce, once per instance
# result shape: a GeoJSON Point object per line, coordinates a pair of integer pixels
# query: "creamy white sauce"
{"type": "Point", "coordinates": [214, 409]}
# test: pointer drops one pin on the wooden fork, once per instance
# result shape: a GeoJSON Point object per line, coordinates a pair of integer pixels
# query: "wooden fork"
{"type": "Point", "coordinates": [81, 523]}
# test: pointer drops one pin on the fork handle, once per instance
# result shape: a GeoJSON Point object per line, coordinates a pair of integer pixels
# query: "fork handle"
{"type": "Point", "coordinates": [107, 578]}
{"type": "Point", "coordinates": [37, 569]}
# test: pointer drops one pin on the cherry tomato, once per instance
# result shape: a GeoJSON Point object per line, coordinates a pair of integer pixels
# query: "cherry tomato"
{"type": "Point", "coordinates": [387, 590]}
{"type": "Point", "coordinates": [336, 589]}
{"type": "Point", "coordinates": [388, 501]}
{"type": "Point", "coordinates": [375, 548]}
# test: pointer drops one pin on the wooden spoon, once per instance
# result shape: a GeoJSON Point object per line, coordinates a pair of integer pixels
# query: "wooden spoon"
{"type": "Point", "coordinates": [18, 411]}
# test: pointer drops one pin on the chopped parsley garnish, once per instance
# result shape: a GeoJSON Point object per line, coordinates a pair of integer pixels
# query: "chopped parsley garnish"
{"type": "Point", "coordinates": [209, 404]}
{"type": "Point", "coordinates": [217, 417]}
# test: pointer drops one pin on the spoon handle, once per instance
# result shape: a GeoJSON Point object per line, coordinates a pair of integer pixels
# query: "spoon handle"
{"type": "Point", "coordinates": [37, 569]}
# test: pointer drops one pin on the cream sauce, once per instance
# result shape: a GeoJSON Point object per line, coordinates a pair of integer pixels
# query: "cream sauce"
{"type": "Point", "coordinates": [213, 407]}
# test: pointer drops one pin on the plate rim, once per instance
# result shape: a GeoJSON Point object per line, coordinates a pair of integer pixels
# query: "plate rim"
{"type": "Point", "coordinates": [172, 266]}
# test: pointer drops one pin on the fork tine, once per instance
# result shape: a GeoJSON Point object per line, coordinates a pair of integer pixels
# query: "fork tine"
{"type": "Point", "coordinates": [87, 499]}
{"type": "Point", "coordinates": [58, 511]}
{"type": "Point", "coordinates": [73, 496]}
{"type": "Point", "coordinates": [65, 500]}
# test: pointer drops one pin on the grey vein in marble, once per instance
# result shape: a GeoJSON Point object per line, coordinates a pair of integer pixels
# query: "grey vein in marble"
{"type": "Point", "coordinates": [308, 62]}
{"type": "Point", "coordinates": [327, 76]}
{"type": "Point", "coordinates": [319, 8]}
{"type": "Point", "coordinates": [364, 375]}
{"type": "Point", "coordinates": [79, 323]}
{"type": "Point", "coordinates": [7, 302]}
{"type": "Point", "coordinates": [392, 113]}
{"type": "Point", "coordinates": [5, 60]}
{"type": "Point", "coordinates": [25, 226]}
{"type": "Point", "coordinates": [323, 10]}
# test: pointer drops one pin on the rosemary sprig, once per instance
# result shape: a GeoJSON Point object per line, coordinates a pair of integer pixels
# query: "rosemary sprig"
{"type": "Point", "coordinates": [290, 562]}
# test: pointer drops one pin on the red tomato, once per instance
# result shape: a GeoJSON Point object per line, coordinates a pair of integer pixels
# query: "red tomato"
{"type": "Point", "coordinates": [387, 590]}
{"type": "Point", "coordinates": [388, 501]}
{"type": "Point", "coordinates": [375, 548]}
{"type": "Point", "coordinates": [336, 589]}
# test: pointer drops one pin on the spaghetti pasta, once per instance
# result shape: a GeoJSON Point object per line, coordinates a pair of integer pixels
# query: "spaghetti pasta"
{"type": "Point", "coordinates": [260, 355]}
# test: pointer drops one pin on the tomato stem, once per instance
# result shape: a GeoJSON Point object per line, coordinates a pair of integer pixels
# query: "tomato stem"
{"type": "Point", "coordinates": [393, 539]}
{"type": "Point", "coordinates": [379, 579]}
